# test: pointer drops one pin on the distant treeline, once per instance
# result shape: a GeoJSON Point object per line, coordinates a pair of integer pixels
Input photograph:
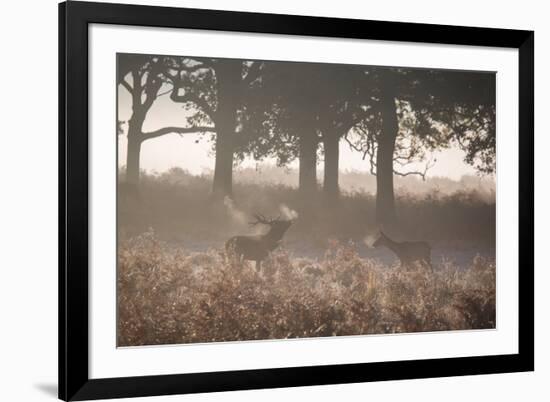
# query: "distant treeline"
{"type": "Point", "coordinates": [177, 206]}
{"type": "Point", "coordinates": [352, 181]}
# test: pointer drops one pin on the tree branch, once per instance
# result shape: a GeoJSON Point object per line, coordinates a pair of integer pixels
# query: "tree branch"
{"type": "Point", "coordinates": [351, 144]}
{"type": "Point", "coordinates": [151, 92]}
{"type": "Point", "coordinates": [126, 85]}
{"type": "Point", "coordinates": [164, 93]}
{"type": "Point", "coordinates": [193, 98]}
{"type": "Point", "coordinates": [351, 119]}
{"type": "Point", "coordinates": [428, 166]}
{"type": "Point", "coordinates": [369, 149]}
{"type": "Point", "coordinates": [177, 130]}
{"type": "Point", "coordinates": [137, 88]}
{"type": "Point", "coordinates": [206, 62]}
{"type": "Point", "coordinates": [196, 67]}
{"type": "Point", "coordinates": [178, 69]}
{"type": "Point", "coordinates": [253, 73]}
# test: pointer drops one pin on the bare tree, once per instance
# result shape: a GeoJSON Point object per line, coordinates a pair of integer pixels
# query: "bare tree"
{"type": "Point", "coordinates": [144, 80]}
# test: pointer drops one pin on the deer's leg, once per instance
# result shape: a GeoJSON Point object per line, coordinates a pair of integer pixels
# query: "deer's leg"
{"type": "Point", "coordinates": [258, 265]}
{"type": "Point", "coordinates": [428, 262]}
{"type": "Point", "coordinates": [237, 260]}
{"type": "Point", "coordinates": [230, 258]}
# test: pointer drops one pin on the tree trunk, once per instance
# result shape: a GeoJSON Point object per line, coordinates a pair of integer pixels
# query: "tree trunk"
{"type": "Point", "coordinates": [332, 155]}
{"type": "Point", "coordinates": [223, 170]}
{"type": "Point", "coordinates": [308, 163]}
{"type": "Point", "coordinates": [133, 151]}
{"type": "Point", "coordinates": [229, 81]}
{"type": "Point", "coordinates": [385, 201]}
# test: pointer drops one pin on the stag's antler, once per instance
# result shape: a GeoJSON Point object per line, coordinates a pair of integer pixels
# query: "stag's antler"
{"type": "Point", "coordinates": [263, 220]}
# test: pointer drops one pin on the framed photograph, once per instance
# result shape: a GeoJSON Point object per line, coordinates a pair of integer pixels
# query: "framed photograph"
{"type": "Point", "coordinates": [257, 201]}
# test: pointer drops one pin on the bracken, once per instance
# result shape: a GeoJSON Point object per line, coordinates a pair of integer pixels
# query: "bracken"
{"type": "Point", "coordinates": [167, 295]}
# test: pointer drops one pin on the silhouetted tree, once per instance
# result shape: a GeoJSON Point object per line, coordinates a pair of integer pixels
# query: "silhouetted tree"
{"type": "Point", "coordinates": [296, 107]}
{"type": "Point", "coordinates": [146, 80]}
{"type": "Point", "coordinates": [212, 91]}
{"type": "Point", "coordinates": [414, 111]}
{"type": "Point", "coordinates": [465, 103]}
{"type": "Point", "coordinates": [297, 83]}
{"type": "Point", "coordinates": [279, 120]}
{"type": "Point", "coordinates": [340, 110]}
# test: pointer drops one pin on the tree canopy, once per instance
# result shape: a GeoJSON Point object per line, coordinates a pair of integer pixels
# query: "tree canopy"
{"type": "Point", "coordinates": [292, 111]}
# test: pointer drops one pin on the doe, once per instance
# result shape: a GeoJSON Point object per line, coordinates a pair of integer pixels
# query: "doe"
{"type": "Point", "coordinates": [408, 252]}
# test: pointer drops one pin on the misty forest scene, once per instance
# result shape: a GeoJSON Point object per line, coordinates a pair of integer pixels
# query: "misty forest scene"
{"type": "Point", "coordinates": [274, 200]}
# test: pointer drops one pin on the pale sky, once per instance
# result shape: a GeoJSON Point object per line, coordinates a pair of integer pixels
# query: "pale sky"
{"type": "Point", "coordinates": [163, 153]}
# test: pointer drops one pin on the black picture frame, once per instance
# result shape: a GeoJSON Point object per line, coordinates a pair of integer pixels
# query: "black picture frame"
{"type": "Point", "coordinates": [74, 381]}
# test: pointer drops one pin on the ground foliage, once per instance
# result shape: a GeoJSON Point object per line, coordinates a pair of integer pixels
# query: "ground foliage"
{"type": "Point", "coordinates": [168, 295]}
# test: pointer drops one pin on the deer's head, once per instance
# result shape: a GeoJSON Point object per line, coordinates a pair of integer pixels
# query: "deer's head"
{"type": "Point", "coordinates": [277, 225]}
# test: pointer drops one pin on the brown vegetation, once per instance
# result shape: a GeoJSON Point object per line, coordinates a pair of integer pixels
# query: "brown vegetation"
{"type": "Point", "coordinates": [167, 295]}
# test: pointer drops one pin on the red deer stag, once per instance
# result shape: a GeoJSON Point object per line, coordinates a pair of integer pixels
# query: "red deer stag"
{"type": "Point", "coordinates": [257, 248]}
{"type": "Point", "coordinates": [408, 252]}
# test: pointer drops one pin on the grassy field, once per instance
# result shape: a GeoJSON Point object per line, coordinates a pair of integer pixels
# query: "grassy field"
{"type": "Point", "coordinates": [167, 295]}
